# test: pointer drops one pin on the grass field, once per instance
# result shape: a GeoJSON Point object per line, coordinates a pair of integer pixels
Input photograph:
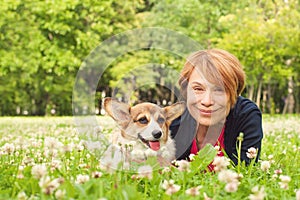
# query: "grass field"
{"type": "Point", "coordinates": [45, 158]}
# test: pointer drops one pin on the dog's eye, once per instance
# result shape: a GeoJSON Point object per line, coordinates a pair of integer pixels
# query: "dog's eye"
{"type": "Point", "coordinates": [160, 120]}
{"type": "Point", "coordinates": [143, 120]}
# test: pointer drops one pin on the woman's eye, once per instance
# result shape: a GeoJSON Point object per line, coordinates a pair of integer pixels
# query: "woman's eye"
{"type": "Point", "coordinates": [198, 89]}
{"type": "Point", "coordinates": [219, 89]}
{"type": "Point", "coordinates": [143, 120]}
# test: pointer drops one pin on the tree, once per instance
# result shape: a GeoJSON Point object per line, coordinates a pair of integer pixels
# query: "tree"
{"type": "Point", "coordinates": [43, 44]}
{"type": "Point", "coordinates": [264, 36]}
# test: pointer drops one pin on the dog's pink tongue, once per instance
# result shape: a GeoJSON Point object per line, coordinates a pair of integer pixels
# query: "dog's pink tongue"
{"type": "Point", "coordinates": [154, 145]}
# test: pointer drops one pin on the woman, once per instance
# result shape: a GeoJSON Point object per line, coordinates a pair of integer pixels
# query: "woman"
{"type": "Point", "coordinates": [211, 83]}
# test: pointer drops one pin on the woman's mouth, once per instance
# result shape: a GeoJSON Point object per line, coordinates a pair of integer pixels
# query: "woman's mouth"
{"type": "Point", "coordinates": [207, 112]}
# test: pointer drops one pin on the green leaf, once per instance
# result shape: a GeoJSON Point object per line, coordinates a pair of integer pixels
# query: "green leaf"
{"type": "Point", "coordinates": [204, 157]}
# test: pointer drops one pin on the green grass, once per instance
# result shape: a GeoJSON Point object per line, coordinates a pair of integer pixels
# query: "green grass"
{"type": "Point", "coordinates": [30, 144]}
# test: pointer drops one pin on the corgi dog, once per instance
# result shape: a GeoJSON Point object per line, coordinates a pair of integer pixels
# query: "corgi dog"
{"type": "Point", "coordinates": [144, 131]}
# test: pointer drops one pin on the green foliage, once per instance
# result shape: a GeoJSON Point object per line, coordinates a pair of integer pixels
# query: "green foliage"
{"type": "Point", "coordinates": [43, 44]}
{"type": "Point", "coordinates": [197, 19]}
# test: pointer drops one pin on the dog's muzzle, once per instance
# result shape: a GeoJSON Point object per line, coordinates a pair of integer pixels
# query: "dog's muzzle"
{"type": "Point", "coordinates": [152, 144]}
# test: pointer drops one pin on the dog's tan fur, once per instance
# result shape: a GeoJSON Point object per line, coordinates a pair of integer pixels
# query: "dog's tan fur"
{"type": "Point", "coordinates": [145, 127]}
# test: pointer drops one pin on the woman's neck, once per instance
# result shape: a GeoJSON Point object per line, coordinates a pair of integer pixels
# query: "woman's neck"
{"type": "Point", "coordinates": [208, 134]}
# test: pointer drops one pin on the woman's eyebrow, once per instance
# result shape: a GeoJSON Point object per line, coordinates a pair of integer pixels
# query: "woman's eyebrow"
{"type": "Point", "coordinates": [196, 83]}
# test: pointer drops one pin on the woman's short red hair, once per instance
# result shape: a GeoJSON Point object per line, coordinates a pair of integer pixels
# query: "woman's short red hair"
{"type": "Point", "coordinates": [217, 66]}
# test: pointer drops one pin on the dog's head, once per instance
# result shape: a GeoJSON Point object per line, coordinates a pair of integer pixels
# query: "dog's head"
{"type": "Point", "coordinates": [145, 122]}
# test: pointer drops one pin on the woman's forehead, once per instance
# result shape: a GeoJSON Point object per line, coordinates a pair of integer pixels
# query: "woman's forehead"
{"type": "Point", "coordinates": [198, 77]}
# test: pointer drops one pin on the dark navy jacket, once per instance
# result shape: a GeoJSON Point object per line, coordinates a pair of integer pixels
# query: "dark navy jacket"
{"type": "Point", "coordinates": [244, 117]}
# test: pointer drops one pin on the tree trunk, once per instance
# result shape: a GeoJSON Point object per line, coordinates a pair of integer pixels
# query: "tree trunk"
{"type": "Point", "coordinates": [259, 92]}
{"type": "Point", "coordinates": [290, 101]}
{"type": "Point", "coordinates": [271, 106]}
{"type": "Point", "coordinates": [264, 101]}
{"type": "Point", "coordinates": [251, 92]}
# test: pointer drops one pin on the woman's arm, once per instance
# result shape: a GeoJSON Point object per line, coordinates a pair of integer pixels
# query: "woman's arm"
{"type": "Point", "coordinates": [246, 118]}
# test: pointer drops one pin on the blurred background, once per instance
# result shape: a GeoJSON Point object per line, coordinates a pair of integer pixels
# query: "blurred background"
{"type": "Point", "coordinates": [44, 42]}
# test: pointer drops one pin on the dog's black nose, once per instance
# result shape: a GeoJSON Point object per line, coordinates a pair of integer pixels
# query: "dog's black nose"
{"type": "Point", "coordinates": [156, 134]}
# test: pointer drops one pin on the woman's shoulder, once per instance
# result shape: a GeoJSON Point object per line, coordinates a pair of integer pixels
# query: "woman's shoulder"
{"type": "Point", "coordinates": [243, 106]}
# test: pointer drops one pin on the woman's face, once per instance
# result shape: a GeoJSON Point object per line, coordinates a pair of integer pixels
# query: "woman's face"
{"type": "Point", "coordinates": [207, 102]}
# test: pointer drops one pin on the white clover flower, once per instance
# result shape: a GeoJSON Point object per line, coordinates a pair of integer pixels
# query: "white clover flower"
{"type": "Point", "coordinates": [83, 165]}
{"type": "Point", "coordinates": [80, 179]}
{"type": "Point", "coordinates": [183, 165]}
{"type": "Point", "coordinates": [8, 148]}
{"type": "Point", "coordinates": [27, 161]}
{"type": "Point", "coordinates": [285, 178]}
{"type": "Point", "coordinates": [228, 176]}
{"type": "Point", "coordinates": [35, 143]}
{"type": "Point", "coordinates": [192, 157]}
{"type": "Point", "coordinates": [194, 191]}
{"type": "Point", "coordinates": [274, 176]}
{"type": "Point", "coordinates": [284, 181]}
{"type": "Point", "coordinates": [271, 159]}
{"type": "Point", "coordinates": [55, 164]}
{"type": "Point", "coordinates": [52, 143]}
{"type": "Point", "coordinates": [265, 165]}
{"type": "Point", "coordinates": [39, 171]}
{"type": "Point", "coordinates": [80, 147]}
{"type": "Point", "coordinates": [68, 147]}
{"type": "Point", "coordinates": [98, 129]}
{"type": "Point", "coordinates": [252, 153]}
{"type": "Point", "coordinates": [48, 186]}
{"type": "Point", "coordinates": [51, 153]}
{"type": "Point", "coordinates": [258, 194]}
{"type": "Point", "coordinates": [217, 148]}
{"type": "Point", "coordinates": [231, 179]}
{"type": "Point", "coordinates": [60, 194]}
{"type": "Point", "coordinates": [145, 171]}
{"type": "Point", "coordinates": [97, 174]}
{"type": "Point", "coordinates": [21, 168]}
{"type": "Point", "coordinates": [220, 163]}
{"type": "Point", "coordinates": [170, 187]}
{"type": "Point", "coordinates": [166, 170]}
{"type": "Point", "coordinates": [232, 186]}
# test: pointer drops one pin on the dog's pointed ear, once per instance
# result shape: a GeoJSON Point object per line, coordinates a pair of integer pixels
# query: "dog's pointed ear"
{"type": "Point", "coordinates": [117, 110]}
{"type": "Point", "coordinates": [175, 110]}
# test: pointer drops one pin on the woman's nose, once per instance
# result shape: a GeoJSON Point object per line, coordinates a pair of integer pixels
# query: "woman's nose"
{"type": "Point", "coordinates": [207, 99]}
